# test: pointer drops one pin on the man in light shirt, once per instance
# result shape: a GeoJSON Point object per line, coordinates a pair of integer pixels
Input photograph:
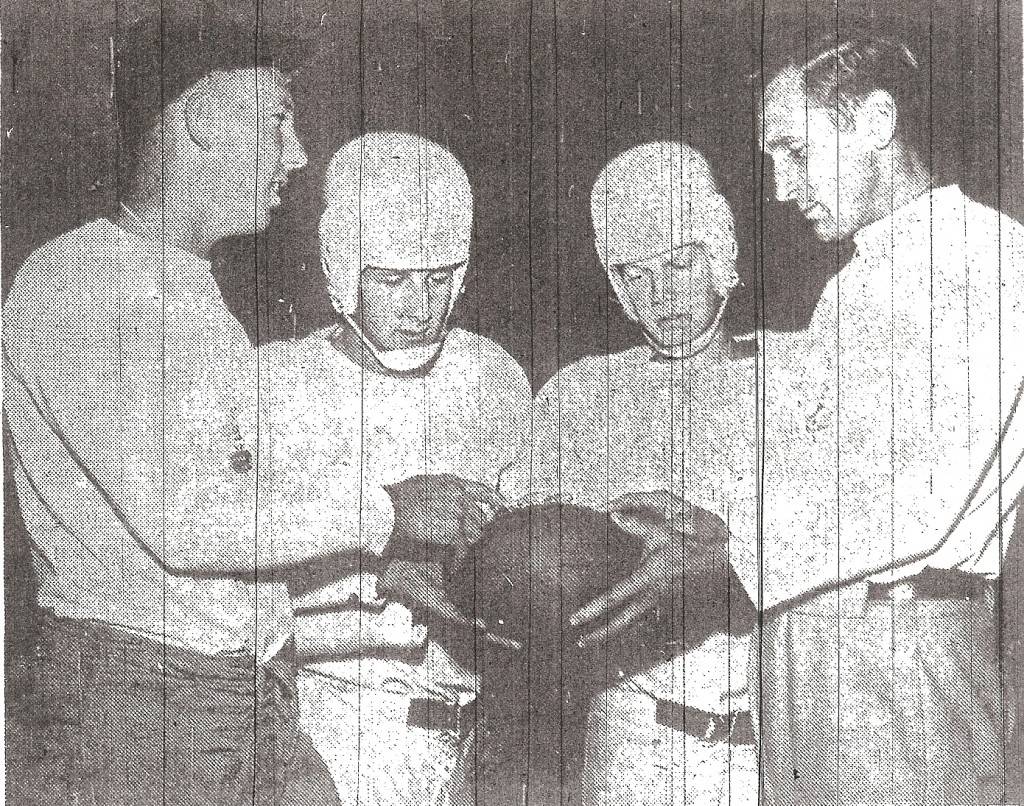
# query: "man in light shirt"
{"type": "Point", "coordinates": [891, 444]}
{"type": "Point", "coordinates": [660, 416]}
{"type": "Point", "coordinates": [393, 390]}
{"type": "Point", "coordinates": [164, 671]}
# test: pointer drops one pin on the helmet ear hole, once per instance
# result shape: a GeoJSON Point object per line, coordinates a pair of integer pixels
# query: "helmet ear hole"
{"type": "Point", "coordinates": [620, 294]}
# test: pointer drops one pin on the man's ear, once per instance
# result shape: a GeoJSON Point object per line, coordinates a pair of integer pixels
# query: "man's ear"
{"type": "Point", "coordinates": [200, 115]}
{"type": "Point", "coordinates": [876, 117]}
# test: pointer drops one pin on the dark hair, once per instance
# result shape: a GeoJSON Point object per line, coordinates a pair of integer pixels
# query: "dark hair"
{"type": "Point", "coordinates": [159, 58]}
{"type": "Point", "coordinates": [839, 76]}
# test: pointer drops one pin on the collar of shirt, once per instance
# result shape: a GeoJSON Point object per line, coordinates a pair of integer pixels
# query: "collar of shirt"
{"type": "Point", "coordinates": [879, 236]}
{"type": "Point", "coordinates": [166, 271]}
{"type": "Point", "coordinates": [904, 234]}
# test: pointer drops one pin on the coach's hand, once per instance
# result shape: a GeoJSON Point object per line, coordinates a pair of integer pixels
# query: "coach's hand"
{"type": "Point", "coordinates": [680, 541]}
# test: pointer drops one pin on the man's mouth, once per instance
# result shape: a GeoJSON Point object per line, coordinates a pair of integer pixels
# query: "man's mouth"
{"type": "Point", "coordinates": [278, 185]}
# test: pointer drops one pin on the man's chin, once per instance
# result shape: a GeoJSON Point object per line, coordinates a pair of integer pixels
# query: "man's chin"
{"type": "Point", "coordinates": [673, 337]}
{"type": "Point", "coordinates": [826, 230]}
{"type": "Point", "coordinates": [411, 344]}
{"type": "Point", "coordinates": [260, 222]}
{"type": "Point", "coordinates": [667, 342]}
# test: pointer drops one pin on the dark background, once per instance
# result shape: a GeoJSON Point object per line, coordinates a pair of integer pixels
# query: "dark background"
{"type": "Point", "coordinates": [534, 98]}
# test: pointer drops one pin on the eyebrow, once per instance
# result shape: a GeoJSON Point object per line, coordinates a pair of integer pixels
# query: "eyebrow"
{"type": "Point", "coordinates": [782, 142]}
{"type": "Point", "coordinates": [452, 267]}
{"type": "Point", "coordinates": [619, 266]}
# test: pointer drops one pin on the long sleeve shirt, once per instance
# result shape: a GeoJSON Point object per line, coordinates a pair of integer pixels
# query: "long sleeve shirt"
{"type": "Point", "coordinates": [630, 422]}
{"type": "Point", "coordinates": [883, 423]}
{"type": "Point", "coordinates": [465, 416]}
{"type": "Point", "coordinates": [132, 398]}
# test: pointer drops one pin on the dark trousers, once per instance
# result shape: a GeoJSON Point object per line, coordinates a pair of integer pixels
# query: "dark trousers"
{"type": "Point", "coordinates": [885, 702]}
{"type": "Point", "coordinates": [108, 718]}
{"type": "Point", "coordinates": [1011, 607]}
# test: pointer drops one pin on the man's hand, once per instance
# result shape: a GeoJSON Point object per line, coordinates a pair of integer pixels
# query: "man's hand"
{"type": "Point", "coordinates": [421, 585]}
{"type": "Point", "coordinates": [653, 517]}
{"type": "Point", "coordinates": [680, 541]}
{"type": "Point", "coordinates": [442, 511]}
{"type": "Point", "coordinates": [322, 636]}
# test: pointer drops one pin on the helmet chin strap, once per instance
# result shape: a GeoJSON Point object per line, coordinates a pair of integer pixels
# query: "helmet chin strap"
{"type": "Point", "coordinates": [408, 359]}
{"type": "Point", "coordinates": [680, 352]}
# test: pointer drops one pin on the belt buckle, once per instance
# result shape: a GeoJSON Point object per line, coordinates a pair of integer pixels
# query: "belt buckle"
{"type": "Point", "coordinates": [432, 714]}
{"type": "Point", "coordinates": [891, 591]}
{"type": "Point", "coordinates": [466, 718]}
{"type": "Point", "coordinates": [703, 725]}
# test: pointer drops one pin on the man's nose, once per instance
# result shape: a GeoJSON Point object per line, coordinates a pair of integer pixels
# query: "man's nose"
{"type": "Point", "coordinates": [294, 155]}
{"type": "Point", "coordinates": [786, 182]}
{"type": "Point", "coordinates": [667, 288]}
{"type": "Point", "coordinates": [414, 302]}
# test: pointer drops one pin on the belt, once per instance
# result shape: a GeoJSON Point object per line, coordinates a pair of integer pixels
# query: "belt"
{"type": "Point", "coordinates": [932, 583]}
{"type": "Point", "coordinates": [704, 725]}
{"type": "Point", "coordinates": [439, 715]}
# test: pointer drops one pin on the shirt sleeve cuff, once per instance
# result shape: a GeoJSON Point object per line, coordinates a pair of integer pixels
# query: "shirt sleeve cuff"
{"type": "Point", "coordinates": [378, 521]}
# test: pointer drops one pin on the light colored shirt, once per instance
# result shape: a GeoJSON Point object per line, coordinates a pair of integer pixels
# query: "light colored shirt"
{"type": "Point", "coordinates": [609, 425]}
{"type": "Point", "coordinates": [129, 389]}
{"type": "Point", "coordinates": [466, 416]}
{"type": "Point", "coordinates": [880, 419]}
{"type": "Point", "coordinates": [627, 422]}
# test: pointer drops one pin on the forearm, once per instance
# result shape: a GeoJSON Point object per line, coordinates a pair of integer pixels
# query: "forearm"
{"type": "Point", "coordinates": [876, 475]}
{"type": "Point", "coordinates": [822, 513]}
{"type": "Point", "coordinates": [813, 538]}
{"type": "Point", "coordinates": [182, 481]}
{"type": "Point", "coordinates": [224, 527]}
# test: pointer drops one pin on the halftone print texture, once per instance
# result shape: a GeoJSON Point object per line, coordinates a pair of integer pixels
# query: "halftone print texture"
{"type": "Point", "coordinates": [513, 404]}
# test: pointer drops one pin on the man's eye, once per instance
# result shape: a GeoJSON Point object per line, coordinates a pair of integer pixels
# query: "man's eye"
{"type": "Point", "coordinates": [630, 274]}
{"type": "Point", "coordinates": [391, 279]}
{"type": "Point", "coordinates": [797, 152]}
{"type": "Point", "coordinates": [440, 278]}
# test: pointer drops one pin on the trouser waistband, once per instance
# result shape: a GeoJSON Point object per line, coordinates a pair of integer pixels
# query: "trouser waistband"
{"type": "Point", "coordinates": [704, 725]}
{"type": "Point", "coordinates": [223, 726]}
{"type": "Point", "coordinates": [431, 714]}
{"type": "Point", "coordinates": [425, 712]}
{"type": "Point", "coordinates": [273, 680]}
